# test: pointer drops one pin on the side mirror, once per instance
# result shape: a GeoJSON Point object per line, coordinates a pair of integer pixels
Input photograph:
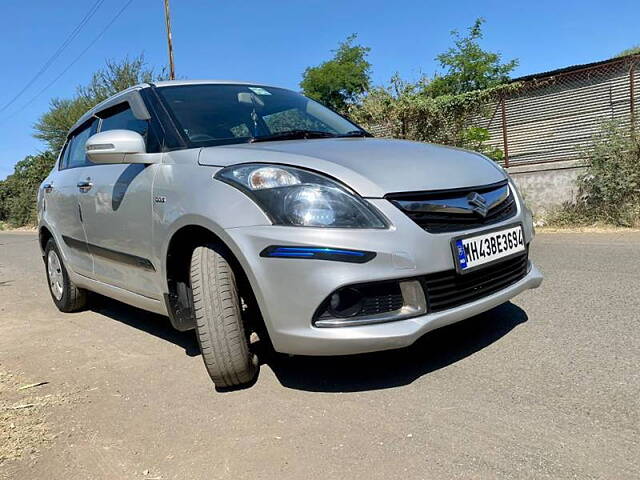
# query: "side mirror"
{"type": "Point", "coordinates": [118, 146]}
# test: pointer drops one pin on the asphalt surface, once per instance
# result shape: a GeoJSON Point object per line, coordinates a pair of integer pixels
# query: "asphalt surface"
{"type": "Point", "coordinates": [547, 386]}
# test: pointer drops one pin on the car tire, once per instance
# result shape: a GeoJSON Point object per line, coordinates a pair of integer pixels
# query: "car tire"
{"type": "Point", "coordinates": [66, 296]}
{"type": "Point", "coordinates": [223, 339]}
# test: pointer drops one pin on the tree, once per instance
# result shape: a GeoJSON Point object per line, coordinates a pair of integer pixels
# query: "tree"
{"type": "Point", "coordinates": [53, 126]}
{"type": "Point", "coordinates": [341, 81]}
{"type": "Point", "coordinates": [18, 190]}
{"type": "Point", "coordinates": [468, 67]}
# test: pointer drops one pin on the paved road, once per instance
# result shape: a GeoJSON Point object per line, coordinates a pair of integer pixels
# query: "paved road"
{"type": "Point", "coordinates": [547, 386]}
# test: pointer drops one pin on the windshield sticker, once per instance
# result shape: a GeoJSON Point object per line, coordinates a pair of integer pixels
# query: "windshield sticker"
{"type": "Point", "coordinates": [259, 91]}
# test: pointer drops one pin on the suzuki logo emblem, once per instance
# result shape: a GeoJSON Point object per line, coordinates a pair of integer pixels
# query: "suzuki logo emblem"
{"type": "Point", "coordinates": [478, 203]}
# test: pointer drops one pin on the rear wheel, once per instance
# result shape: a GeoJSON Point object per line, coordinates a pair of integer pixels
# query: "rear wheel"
{"type": "Point", "coordinates": [66, 296]}
{"type": "Point", "coordinates": [220, 328]}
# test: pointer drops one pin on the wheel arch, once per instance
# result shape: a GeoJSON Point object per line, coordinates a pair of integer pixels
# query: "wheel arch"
{"type": "Point", "coordinates": [44, 234]}
{"type": "Point", "coordinates": [176, 265]}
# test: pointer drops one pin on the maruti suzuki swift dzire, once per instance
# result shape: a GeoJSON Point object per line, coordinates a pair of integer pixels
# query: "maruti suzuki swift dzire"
{"type": "Point", "coordinates": [255, 215]}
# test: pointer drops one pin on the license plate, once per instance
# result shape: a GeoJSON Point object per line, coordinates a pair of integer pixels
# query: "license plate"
{"type": "Point", "coordinates": [481, 249]}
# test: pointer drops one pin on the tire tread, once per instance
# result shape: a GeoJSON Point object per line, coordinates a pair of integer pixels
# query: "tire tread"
{"type": "Point", "coordinates": [219, 324]}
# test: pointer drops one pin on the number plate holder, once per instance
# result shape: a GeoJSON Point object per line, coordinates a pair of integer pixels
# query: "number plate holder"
{"type": "Point", "coordinates": [470, 259]}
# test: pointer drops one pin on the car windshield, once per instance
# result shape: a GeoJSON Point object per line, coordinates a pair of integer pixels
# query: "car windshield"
{"type": "Point", "coordinates": [221, 114]}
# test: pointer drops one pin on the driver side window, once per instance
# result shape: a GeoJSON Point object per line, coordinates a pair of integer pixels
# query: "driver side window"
{"type": "Point", "coordinates": [121, 117]}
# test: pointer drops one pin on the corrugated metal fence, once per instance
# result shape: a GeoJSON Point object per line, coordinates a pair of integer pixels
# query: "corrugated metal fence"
{"type": "Point", "coordinates": [551, 118]}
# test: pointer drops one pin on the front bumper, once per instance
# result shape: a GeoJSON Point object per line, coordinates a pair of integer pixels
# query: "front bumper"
{"type": "Point", "coordinates": [290, 290]}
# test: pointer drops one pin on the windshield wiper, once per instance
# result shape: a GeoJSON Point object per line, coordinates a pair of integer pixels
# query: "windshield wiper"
{"type": "Point", "coordinates": [355, 133]}
{"type": "Point", "coordinates": [293, 135]}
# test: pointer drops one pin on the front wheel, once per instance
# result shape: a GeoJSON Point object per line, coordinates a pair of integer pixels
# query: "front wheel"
{"type": "Point", "coordinates": [66, 296]}
{"type": "Point", "coordinates": [221, 332]}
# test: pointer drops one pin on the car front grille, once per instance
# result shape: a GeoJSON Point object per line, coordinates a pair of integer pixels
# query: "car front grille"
{"type": "Point", "coordinates": [442, 211]}
{"type": "Point", "coordinates": [449, 289]}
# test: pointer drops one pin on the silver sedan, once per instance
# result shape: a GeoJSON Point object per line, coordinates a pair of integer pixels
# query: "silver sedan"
{"type": "Point", "coordinates": [265, 221]}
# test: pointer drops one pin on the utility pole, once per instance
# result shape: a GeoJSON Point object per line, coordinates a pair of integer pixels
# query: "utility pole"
{"type": "Point", "coordinates": [167, 17]}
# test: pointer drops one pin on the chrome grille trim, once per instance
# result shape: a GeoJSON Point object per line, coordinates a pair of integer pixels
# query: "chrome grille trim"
{"type": "Point", "coordinates": [441, 211]}
{"type": "Point", "coordinates": [455, 204]}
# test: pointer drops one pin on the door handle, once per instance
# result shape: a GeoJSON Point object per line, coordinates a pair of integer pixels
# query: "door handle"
{"type": "Point", "coordinates": [47, 187]}
{"type": "Point", "coordinates": [85, 186]}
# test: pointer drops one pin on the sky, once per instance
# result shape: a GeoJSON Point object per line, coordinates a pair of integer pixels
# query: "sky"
{"type": "Point", "coordinates": [274, 41]}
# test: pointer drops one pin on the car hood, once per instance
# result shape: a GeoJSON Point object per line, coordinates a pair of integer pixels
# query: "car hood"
{"type": "Point", "coordinates": [372, 167]}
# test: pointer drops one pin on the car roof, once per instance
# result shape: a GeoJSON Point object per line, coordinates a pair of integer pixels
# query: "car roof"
{"type": "Point", "coordinates": [171, 83]}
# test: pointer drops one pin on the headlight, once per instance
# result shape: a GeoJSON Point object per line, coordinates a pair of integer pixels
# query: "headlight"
{"type": "Point", "coordinates": [292, 196]}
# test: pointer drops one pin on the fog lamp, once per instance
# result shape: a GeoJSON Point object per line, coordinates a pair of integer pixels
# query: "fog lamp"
{"type": "Point", "coordinates": [345, 303]}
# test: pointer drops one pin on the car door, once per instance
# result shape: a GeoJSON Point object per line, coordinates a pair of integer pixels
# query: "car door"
{"type": "Point", "coordinates": [117, 212]}
{"type": "Point", "coordinates": [62, 209]}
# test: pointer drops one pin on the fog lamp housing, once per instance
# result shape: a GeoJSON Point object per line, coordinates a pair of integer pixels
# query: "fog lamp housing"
{"type": "Point", "coordinates": [371, 303]}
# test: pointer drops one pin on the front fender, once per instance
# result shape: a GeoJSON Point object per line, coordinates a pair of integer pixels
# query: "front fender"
{"type": "Point", "coordinates": [192, 197]}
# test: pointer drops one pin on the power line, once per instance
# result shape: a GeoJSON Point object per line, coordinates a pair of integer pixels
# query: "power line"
{"type": "Point", "coordinates": [57, 53]}
{"type": "Point", "coordinates": [75, 60]}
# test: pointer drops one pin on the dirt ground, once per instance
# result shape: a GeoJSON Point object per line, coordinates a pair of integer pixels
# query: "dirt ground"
{"type": "Point", "coordinates": [546, 386]}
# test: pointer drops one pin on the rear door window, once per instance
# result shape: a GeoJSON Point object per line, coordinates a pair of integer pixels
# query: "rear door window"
{"type": "Point", "coordinates": [64, 156]}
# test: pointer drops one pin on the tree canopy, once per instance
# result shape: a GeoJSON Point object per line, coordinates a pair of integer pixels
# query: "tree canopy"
{"type": "Point", "coordinates": [53, 126]}
{"type": "Point", "coordinates": [341, 81]}
{"type": "Point", "coordinates": [468, 67]}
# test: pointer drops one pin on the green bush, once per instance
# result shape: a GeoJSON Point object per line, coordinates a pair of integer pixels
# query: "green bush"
{"type": "Point", "coordinates": [18, 191]}
{"type": "Point", "coordinates": [404, 111]}
{"type": "Point", "coordinates": [609, 190]}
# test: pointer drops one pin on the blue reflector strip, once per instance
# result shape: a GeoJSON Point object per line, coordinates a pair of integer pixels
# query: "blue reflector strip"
{"type": "Point", "coordinates": [318, 253]}
{"type": "Point", "coordinates": [290, 254]}
{"type": "Point", "coordinates": [312, 250]}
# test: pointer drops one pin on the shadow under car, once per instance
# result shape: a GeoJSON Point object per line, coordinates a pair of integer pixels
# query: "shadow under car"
{"type": "Point", "coordinates": [350, 373]}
